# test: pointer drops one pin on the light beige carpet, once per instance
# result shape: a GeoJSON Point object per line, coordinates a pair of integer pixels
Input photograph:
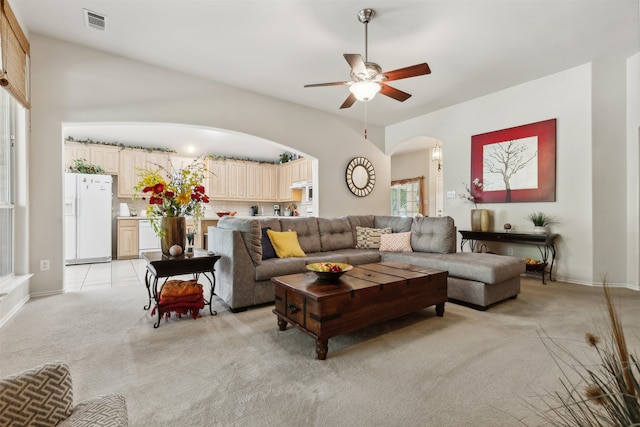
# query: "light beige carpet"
{"type": "Point", "coordinates": [468, 368]}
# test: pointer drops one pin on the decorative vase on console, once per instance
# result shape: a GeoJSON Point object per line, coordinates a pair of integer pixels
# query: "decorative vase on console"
{"type": "Point", "coordinates": [173, 195]}
{"type": "Point", "coordinates": [480, 218]}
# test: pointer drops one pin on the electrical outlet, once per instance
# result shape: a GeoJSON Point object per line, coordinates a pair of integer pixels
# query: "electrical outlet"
{"type": "Point", "coordinates": [451, 194]}
{"type": "Point", "coordinates": [44, 265]}
{"type": "Point", "coordinates": [509, 251]}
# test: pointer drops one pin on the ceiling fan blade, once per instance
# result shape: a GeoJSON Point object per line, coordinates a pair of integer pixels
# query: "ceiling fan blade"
{"type": "Point", "coordinates": [328, 84]}
{"type": "Point", "coordinates": [349, 101]}
{"type": "Point", "coordinates": [394, 93]}
{"type": "Point", "coordinates": [356, 63]}
{"type": "Point", "coordinates": [403, 73]}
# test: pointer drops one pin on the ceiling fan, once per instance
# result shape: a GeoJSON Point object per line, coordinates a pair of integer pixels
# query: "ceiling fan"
{"type": "Point", "coordinates": [367, 78]}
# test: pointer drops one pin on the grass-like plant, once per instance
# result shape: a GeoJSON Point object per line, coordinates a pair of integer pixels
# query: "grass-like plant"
{"type": "Point", "coordinates": [607, 393]}
{"type": "Point", "coordinates": [540, 219]}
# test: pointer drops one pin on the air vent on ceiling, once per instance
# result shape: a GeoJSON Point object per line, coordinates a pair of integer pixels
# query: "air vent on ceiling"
{"type": "Point", "coordinates": [95, 20]}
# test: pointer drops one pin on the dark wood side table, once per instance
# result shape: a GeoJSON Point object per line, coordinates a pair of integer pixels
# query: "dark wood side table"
{"type": "Point", "coordinates": [164, 266]}
{"type": "Point", "coordinates": [544, 242]}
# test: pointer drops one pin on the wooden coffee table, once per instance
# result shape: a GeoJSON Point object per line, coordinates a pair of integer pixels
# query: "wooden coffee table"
{"type": "Point", "coordinates": [366, 295]}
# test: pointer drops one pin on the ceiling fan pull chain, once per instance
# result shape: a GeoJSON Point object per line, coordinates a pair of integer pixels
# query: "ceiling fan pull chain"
{"type": "Point", "coordinates": [365, 119]}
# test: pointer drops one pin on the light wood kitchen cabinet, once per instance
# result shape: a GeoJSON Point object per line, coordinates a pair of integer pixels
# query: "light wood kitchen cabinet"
{"type": "Point", "coordinates": [301, 170]}
{"type": "Point", "coordinates": [106, 157]}
{"type": "Point", "coordinates": [237, 179]}
{"type": "Point", "coordinates": [254, 181]}
{"type": "Point", "coordinates": [74, 151]}
{"type": "Point", "coordinates": [159, 160]}
{"type": "Point", "coordinates": [130, 162]}
{"type": "Point", "coordinates": [284, 181]}
{"type": "Point", "coordinates": [217, 179]}
{"type": "Point", "coordinates": [296, 174]}
{"type": "Point", "coordinates": [306, 170]}
{"type": "Point", "coordinates": [270, 183]}
{"type": "Point", "coordinates": [127, 239]}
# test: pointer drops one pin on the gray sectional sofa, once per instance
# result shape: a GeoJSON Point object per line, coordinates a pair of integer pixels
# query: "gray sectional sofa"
{"type": "Point", "coordinates": [243, 278]}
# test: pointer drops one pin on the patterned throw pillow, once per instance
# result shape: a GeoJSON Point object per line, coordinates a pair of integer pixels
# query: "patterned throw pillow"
{"type": "Point", "coordinates": [41, 396]}
{"type": "Point", "coordinates": [396, 242]}
{"type": "Point", "coordinates": [369, 238]}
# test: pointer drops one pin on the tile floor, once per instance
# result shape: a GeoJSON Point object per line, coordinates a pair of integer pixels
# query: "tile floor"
{"type": "Point", "coordinates": [117, 273]}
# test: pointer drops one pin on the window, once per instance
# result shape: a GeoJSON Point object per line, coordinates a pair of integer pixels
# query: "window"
{"type": "Point", "coordinates": [8, 107]}
{"type": "Point", "coordinates": [407, 196]}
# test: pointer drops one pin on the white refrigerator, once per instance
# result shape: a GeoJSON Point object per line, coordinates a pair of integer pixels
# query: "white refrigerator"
{"type": "Point", "coordinates": [87, 218]}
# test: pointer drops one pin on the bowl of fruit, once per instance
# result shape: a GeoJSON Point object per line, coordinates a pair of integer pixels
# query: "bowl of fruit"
{"type": "Point", "coordinates": [535, 265]}
{"type": "Point", "coordinates": [329, 271]}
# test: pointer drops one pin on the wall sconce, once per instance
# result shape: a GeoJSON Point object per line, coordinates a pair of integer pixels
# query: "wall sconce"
{"type": "Point", "coordinates": [436, 156]}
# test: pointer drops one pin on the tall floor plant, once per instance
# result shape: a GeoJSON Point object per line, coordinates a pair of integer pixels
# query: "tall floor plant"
{"type": "Point", "coordinates": [607, 393]}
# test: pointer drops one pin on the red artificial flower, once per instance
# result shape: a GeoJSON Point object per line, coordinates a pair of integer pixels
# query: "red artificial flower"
{"type": "Point", "coordinates": [199, 189]}
{"type": "Point", "coordinates": [155, 200]}
{"type": "Point", "coordinates": [147, 189]}
{"type": "Point", "coordinates": [169, 194]}
{"type": "Point", "coordinates": [158, 188]}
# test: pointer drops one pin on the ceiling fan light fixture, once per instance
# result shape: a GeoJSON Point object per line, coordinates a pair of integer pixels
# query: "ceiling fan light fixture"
{"type": "Point", "coordinates": [365, 91]}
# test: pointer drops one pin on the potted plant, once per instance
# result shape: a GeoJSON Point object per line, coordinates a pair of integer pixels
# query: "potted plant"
{"type": "Point", "coordinates": [284, 157]}
{"type": "Point", "coordinates": [540, 221]}
{"type": "Point", "coordinates": [82, 166]}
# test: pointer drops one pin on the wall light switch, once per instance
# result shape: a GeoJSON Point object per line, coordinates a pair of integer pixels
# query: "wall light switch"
{"type": "Point", "coordinates": [44, 265]}
{"type": "Point", "coordinates": [451, 194]}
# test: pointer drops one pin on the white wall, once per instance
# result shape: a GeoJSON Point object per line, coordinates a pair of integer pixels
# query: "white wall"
{"type": "Point", "coordinates": [633, 169]}
{"type": "Point", "coordinates": [410, 165]}
{"type": "Point", "coordinates": [565, 96]}
{"type": "Point", "coordinates": [608, 84]}
{"type": "Point", "coordinates": [74, 84]}
{"type": "Point", "coordinates": [597, 107]}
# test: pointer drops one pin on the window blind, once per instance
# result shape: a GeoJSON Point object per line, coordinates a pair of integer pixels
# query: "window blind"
{"type": "Point", "coordinates": [14, 56]}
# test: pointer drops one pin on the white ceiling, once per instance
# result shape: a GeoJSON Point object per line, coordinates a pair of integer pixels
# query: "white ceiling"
{"type": "Point", "coordinates": [275, 47]}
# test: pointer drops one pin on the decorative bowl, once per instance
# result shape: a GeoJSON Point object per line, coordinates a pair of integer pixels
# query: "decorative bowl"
{"type": "Point", "coordinates": [320, 269]}
{"type": "Point", "coordinates": [222, 213]}
{"type": "Point", "coordinates": [539, 267]}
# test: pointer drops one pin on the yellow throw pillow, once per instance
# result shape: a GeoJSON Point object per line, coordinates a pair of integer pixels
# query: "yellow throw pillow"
{"type": "Point", "coordinates": [285, 243]}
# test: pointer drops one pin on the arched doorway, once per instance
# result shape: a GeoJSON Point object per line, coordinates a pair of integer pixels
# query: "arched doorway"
{"type": "Point", "coordinates": [420, 159]}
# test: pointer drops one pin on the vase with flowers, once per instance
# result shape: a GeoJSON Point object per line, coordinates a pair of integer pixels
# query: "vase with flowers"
{"type": "Point", "coordinates": [173, 195]}
{"type": "Point", "coordinates": [480, 218]}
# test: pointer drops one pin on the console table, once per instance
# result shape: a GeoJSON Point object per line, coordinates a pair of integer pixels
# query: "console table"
{"type": "Point", "coordinates": [544, 242]}
{"type": "Point", "coordinates": [160, 265]}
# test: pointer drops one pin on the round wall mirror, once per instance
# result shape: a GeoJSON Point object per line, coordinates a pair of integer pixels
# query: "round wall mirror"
{"type": "Point", "coordinates": [361, 177]}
